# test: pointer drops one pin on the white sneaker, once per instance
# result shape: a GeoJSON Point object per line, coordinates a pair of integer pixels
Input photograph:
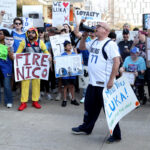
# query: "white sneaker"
{"type": "Point", "coordinates": [49, 97]}
{"type": "Point", "coordinates": [58, 97]}
{"type": "Point", "coordinates": [42, 94]}
{"type": "Point", "coordinates": [9, 105]}
{"type": "Point", "coordinates": [82, 100]}
{"type": "Point", "coordinates": [55, 91]}
{"type": "Point", "coordinates": [70, 96]}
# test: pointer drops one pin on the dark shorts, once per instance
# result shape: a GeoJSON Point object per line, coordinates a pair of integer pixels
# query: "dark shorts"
{"type": "Point", "coordinates": [68, 82]}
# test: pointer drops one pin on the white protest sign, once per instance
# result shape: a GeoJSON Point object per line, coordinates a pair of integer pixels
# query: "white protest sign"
{"type": "Point", "coordinates": [31, 66]}
{"type": "Point", "coordinates": [68, 65]}
{"type": "Point", "coordinates": [27, 23]}
{"type": "Point", "coordinates": [35, 12]}
{"type": "Point", "coordinates": [57, 43]}
{"type": "Point", "coordinates": [130, 76]}
{"type": "Point", "coordinates": [118, 102]}
{"type": "Point", "coordinates": [10, 8]}
{"type": "Point", "coordinates": [92, 18]}
{"type": "Point", "coordinates": [60, 13]}
{"type": "Point", "coordinates": [119, 34]}
{"type": "Point", "coordinates": [84, 78]}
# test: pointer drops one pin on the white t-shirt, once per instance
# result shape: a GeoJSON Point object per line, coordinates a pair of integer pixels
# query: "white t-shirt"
{"type": "Point", "coordinates": [99, 68]}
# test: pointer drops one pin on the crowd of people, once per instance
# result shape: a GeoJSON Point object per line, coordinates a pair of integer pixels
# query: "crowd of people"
{"type": "Point", "coordinates": [106, 59]}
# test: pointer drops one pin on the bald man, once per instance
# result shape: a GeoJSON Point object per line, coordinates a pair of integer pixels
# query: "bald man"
{"type": "Point", "coordinates": [103, 65]}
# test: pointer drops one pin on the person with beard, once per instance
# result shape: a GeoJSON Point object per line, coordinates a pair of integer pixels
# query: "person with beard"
{"type": "Point", "coordinates": [32, 44]}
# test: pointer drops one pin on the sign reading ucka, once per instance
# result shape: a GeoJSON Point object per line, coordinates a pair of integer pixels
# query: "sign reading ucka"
{"type": "Point", "coordinates": [118, 102]}
{"type": "Point", "coordinates": [31, 66]}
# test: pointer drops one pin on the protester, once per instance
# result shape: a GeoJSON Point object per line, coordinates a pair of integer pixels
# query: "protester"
{"type": "Point", "coordinates": [102, 72]}
{"type": "Point", "coordinates": [44, 83]}
{"type": "Point", "coordinates": [135, 63]}
{"type": "Point", "coordinates": [6, 66]}
{"type": "Point", "coordinates": [68, 82]}
{"type": "Point", "coordinates": [125, 45]}
{"type": "Point", "coordinates": [31, 44]}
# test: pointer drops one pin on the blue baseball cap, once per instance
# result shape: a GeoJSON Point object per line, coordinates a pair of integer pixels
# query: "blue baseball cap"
{"type": "Point", "coordinates": [134, 50]}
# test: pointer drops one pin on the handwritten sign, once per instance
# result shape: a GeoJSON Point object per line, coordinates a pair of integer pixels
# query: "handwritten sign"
{"type": "Point", "coordinates": [27, 23]}
{"type": "Point", "coordinates": [57, 43]}
{"type": "Point", "coordinates": [92, 18]}
{"type": "Point", "coordinates": [68, 65]}
{"type": "Point", "coordinates": [10, 8]}
{"type": "Point", "coordinates": [60, 13]}
{"type": "Point", "coordinates": [133, 34]}
{"type": "Point", "coordinates": [31, 66]}
{"type": "Point", "coordinates": [118, 102]}
{"type": "Point", "coordinates": [3, 52]}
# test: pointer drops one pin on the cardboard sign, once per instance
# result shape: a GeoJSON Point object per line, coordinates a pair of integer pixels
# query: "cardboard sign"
{"type": "Point", "coordinates": [60, 13]}
{"type": "Point", "coordinates": [92, 18]}
{"type": "Point", "coordinates": [118, 102]}
{"type": "Point", "coordinates": [84, 78]}
{"type": "Point", "coordinates": [31, 66]}
{"type": "Point", "coordinates": [35, 12]}
{"type": "Point", "coordinates": [57, 43]}
{"type": "Point", "coordinates": [133, 34]}
{"type": "Point", "coordinates": [130, 76]}
{"type": "Point", "coordinates": [69, 65]}
{"type": "Point", "coordinates": [27, 23]}
{"type": "Point", "coordinates": [10, 8]}
{"type": "Point", "coordinates": [3, 52]}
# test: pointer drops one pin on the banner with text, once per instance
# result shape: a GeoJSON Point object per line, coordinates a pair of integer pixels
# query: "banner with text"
{"type": "Point", "coordinates": [57, 43]}
{"type": "Point", "coordinates": [60, 13]}
{"type": "Point", "coordinates": [10, 8]}
{"type": "Point", "coordinates": [92, 18]}
{"type": "Point", "coordinates": [118, 102]}
{"type": "Point", "coordinates": [31, 66]}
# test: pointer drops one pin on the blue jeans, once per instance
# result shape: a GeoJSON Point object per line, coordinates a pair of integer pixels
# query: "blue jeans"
{"type": "Point", "coordinates": [84, 93]}
{"type": "Point", "coordinates": [7, 91]}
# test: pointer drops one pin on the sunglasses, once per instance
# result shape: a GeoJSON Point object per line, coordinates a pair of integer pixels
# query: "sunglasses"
{"type": "Point", "coordinates": [31, 32]}
{"type": "Point", "coordinates": [18, 23]}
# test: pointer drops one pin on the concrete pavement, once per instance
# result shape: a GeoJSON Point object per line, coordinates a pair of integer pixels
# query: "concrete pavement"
{"type": "Point", "coordinates": [50, 129]}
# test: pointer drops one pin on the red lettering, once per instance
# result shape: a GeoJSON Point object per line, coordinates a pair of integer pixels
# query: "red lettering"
{"type": "Point", "coordinates": [20, 74]}
{"type": "Point", "coordinates": [27, 58]}
{"type": "Point", "coordinates": [33, 72]}
{"type": "Point", "coordinates": [35, 58]}
{"type": "Point", "coordinates": [28, 72]}
{"type": "Point", "coordinates": [18, 56]}
{"type": "Point", "coordinates": [44, 60]}
{"type": "Point", "coordinates": [44, 73]}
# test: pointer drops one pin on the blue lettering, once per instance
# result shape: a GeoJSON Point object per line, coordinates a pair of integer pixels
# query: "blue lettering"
{"type": "Point", "coordinates": [113, 109]}
{"type": "Point", "coordinates": [116, 101]}
{"type": "Point", "coordinates": [122, 97]}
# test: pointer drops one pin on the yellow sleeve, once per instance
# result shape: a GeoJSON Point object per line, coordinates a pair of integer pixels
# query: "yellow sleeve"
{"type": "Point", "coordinates": [43, 47]}
{"type": "Point", "coordinates": [21, 47]}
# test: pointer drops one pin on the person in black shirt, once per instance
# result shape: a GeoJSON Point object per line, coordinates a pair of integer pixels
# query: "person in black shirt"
{"type": "Point", "coordinates": [125, 45]}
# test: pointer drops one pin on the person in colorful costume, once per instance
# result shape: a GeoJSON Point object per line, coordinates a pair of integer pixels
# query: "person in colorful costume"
{"type": "Point", "coordinates": [32, 44]}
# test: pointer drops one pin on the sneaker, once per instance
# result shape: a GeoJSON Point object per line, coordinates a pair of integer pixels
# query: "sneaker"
{"type": "Point", "coordinates": [22, 106]}
{"type": "Point", "coordinates": [36, 105]}
{"type": "Point", "coordinates": [70, 96]}
{"type": "Point", "coordinates": [54, 91]}
{"type": "Point", "coordinates": [42, 94]}
{"type": "Point", "coordinates": [112, 139]}
{"type": "Point", "coordinates": [82, 100]}
{"type": "Point", "coordinates": [58, 97]}
{"type": "Point", "coordinates": [78, 131]}
{"type": "Point", "coordinates": [64, 103]}
{"type": "Point", "coordinates": [49, 97]}
{"type": "Point", "coordinates": [74, 102]}
{"type": "Point", "coordinates": [9, 105]}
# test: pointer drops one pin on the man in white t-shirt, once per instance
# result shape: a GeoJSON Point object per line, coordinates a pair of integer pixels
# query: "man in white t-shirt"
{"type": "Point", "coordinates": [103, 67]}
